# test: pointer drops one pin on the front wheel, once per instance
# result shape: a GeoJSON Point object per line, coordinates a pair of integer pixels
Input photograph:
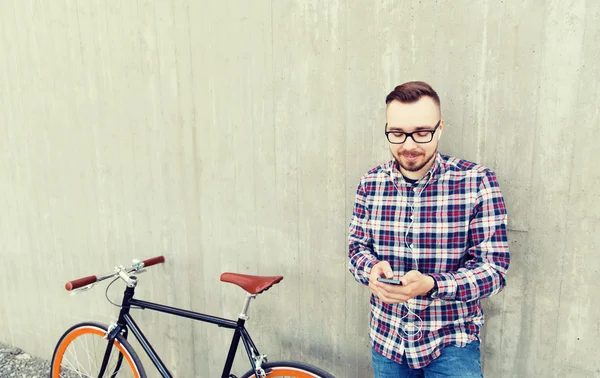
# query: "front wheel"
{"type": "Point", "coordinates": [290, 369]}
{"type": "Point", "coordinates": [80, 351]}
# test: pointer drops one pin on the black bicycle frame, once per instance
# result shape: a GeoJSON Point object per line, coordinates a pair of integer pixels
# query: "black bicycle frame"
{"type": "Point", "coordinates": [126, 323]}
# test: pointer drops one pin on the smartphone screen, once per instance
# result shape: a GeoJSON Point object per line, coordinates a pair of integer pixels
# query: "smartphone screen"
{"type": "Point", "coordinates": [389, 281]}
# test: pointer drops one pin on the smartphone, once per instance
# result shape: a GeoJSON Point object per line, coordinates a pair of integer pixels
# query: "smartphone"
{"type": "Point", "coordinates": [389, 281]}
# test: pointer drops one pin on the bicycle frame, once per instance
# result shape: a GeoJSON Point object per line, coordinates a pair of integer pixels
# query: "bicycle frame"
{"type": "Point", "coordinates": [126, 322]}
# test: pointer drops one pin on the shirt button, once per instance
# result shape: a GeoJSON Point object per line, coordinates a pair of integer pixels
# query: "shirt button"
{"type": "Point", "coordinates": [412, 246]}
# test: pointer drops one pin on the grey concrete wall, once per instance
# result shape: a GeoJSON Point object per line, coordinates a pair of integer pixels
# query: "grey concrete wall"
{"type": "Point", "coordinates": [230, 136]}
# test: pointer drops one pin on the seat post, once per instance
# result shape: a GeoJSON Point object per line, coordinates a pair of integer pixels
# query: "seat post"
{"type": "Point", "coordinates": [244, 314]}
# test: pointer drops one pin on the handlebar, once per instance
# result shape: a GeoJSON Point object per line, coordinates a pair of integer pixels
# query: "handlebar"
{"type": "Point", "coordinates": [135, 267]}
{"type": "Point", "coordinates": [80, 282]}
{"type": "Point", "coordinates": [154, 261]}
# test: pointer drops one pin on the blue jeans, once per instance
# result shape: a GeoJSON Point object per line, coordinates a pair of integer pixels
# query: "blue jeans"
{"type": "Point", "coordinates": [453, 362]}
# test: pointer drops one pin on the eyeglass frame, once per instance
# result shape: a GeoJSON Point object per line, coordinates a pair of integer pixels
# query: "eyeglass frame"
{"type": "Point", "coordinates": [407, 135]}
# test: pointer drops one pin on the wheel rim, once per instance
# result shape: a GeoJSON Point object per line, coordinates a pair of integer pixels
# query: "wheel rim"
{"type": "Point", "coordinates": [80, 354]}
{"type": "Point", "coordinates": [291, 372]}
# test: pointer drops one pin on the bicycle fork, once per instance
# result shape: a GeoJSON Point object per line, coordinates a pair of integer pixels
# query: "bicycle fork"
{"type": "Point", "coordinates": [116, 328]}
{"type": "Point", "coordinates": [111, 334]}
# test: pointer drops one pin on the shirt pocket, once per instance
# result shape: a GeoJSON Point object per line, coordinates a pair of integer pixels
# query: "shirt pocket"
{"type": "Point", "coordinates": [445, 236]}
{"type": "Point", "coordinates": [387, 225]}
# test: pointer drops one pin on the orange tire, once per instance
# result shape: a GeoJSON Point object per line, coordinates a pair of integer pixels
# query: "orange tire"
{"type": "Point", "coordinates": [290, 369]}
{"type": "Point", "coordinates": [80, 351]}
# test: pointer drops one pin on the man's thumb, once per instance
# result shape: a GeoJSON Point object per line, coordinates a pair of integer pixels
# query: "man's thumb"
{"type": "Point", "coordinates": [411, 276]}
{"type": "Point", "coordinates": [387, 270]}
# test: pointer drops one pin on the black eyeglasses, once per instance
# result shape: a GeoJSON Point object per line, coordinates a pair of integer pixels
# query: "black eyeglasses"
{"type": "Point", "coordinates": [419, 136]}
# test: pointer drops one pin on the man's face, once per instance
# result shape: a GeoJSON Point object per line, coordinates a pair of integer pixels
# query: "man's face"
{"type": "Point", "coordinates": [414, 158]}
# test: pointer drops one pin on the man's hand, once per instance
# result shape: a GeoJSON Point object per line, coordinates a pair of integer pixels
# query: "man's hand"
{"type": "Point", "coordinates": [414, 283]}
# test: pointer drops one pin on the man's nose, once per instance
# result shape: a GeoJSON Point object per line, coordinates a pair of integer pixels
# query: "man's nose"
{"type": "Point", "coordinates": [409, 143]}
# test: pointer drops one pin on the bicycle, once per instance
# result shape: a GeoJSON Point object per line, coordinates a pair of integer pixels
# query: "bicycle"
{"type": "Point", "coordinates": [116, 356]}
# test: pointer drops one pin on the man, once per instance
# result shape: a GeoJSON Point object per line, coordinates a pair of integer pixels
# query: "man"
{"type": "Point", "coordinates": [438, 225]}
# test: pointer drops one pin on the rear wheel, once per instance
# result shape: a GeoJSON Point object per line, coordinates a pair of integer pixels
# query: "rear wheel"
{"type": "Point", "coordinates": [290, 369]}
{"type": "Point", "coordinates": [80, 351]}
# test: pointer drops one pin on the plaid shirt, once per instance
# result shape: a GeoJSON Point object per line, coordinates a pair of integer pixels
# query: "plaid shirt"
{"type": "Point", "coordinates": [451, 225]}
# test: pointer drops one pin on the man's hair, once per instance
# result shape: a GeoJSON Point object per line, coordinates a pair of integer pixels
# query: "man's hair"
{"type": "Point", "coordinates": [411, 92]}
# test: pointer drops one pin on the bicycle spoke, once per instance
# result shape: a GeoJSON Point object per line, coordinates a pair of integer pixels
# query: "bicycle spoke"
{"type": "Point", "coordinates": [87, 352]}
{"type": "Point", "coordinates": [110, 369]}
{"type": "Point", "coordinates": [75, 368]}
{"type": "Point", "coordinates": [89, 359]}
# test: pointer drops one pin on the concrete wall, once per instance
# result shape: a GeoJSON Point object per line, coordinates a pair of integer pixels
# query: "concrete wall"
{"type": "Point", "coordinates": [230, 136]}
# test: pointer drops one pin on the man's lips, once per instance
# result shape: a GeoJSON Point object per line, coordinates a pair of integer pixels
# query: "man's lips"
{"type": "Point", "coordinates": [411, 157]}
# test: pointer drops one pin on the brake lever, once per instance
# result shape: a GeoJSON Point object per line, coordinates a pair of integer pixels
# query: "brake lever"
{"type": "Point", "coordinates": [137, 266]}
{"type": "Point", "coordinates": [82, 289]}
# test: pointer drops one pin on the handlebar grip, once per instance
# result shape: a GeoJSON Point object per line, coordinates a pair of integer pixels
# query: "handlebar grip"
{"type": "Point", "coordinates": [153, 261]}
{"type": "Point", "coordinates": [76, 284]}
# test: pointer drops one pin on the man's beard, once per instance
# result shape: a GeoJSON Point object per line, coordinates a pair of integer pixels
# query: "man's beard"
{"type": "Point", "coordinates": [415, 167]}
